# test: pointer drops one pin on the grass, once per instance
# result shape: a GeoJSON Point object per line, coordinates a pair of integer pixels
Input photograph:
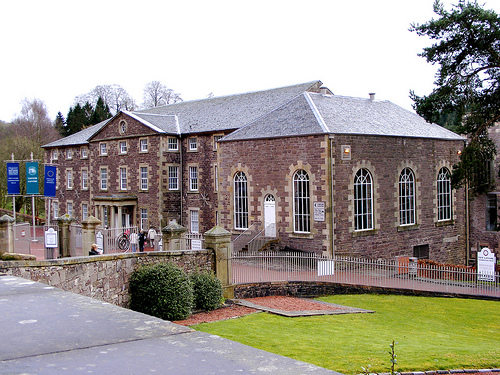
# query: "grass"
{"type": "Point", "coordinates": [431, 334]}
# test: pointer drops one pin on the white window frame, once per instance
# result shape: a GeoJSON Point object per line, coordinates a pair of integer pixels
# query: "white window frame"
{"type": "Point", "coordinates": [444, 195]}
{"type": "Point", "coordinates": [123, 178]}
{"type": "Point", "coordinates": [193, 178]}
{"type": "Point", "coordinates": [69, 208]}
{"type": "Point", "coordinates": [173, 144]}
{"type": "Point", "coordinates": [69, 153]}
{"type": "Point", "coordinates": [123, 147]}
{"type": "Point", "coordinates": [55, 154]}
{"type": "Point", "coordinates": [69, 179]}
{"type": "Point", "coordinates": [407, 197]}
{"type": "Point", "coordinates": [194, 219]}
{"type": "Point", "coordinates": [143, 145]}
{"type": "Point", "coordinates": [85, 179]}
{"type": "Point", "coordinates": [363, 200]}
{"type": "Point", "coordinates": [193, 144]}
{"type": "Point", "coordinates": [55, 209]}
{"type": "Point", "coordinates": [216, 139]}
{"type": "Point", "coordinates": [301, 202]}
{"type": "Point", "coordinates": [173, 177]}
{"type": "Point", "coordinates": [144, 218]}
{"type": "Point", "coordinates": [240, 201]}
{"type": "Point", "coordinates": [84, 153]}
{"type": "Point", "coordinates": [103, 149]}
{"type": "Point", "coordinates": [144, 183]}
{"type": "Point", "coordinates": [216, 178]}
{"type": "Point", "coordinates": [85, 211]}
{"type": "Point", "coordinates": [103, 181]}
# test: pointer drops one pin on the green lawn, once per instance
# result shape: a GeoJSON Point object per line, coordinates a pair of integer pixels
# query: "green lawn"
{"type": "Point", "coordinates": [431, 334]}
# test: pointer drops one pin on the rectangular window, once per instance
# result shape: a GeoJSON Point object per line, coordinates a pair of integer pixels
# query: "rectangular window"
{"type": "Point", "coordinates": [69, 208]}
{"type": "Point", "coordinates": [216, 139]}
{"type": "Point", "coordinates": [216, 178]}
{"type": "Point", "coordinates": [144, 218]}
{"type": "Point", "coordinates": [193, 178]}
{"type": "Point", "coordinates": [491, 212]}
{"type": "Point", "coordinates": [104, 179]}
{"type": "Point", "coordinates": [173, 178]}
{"type": "Point", "coordinates": [85, 179]}
{"type": "Point", "coordinates": [123, 178]}
{"type": "Point", "coordinates": [69, 154]}
{"type": "Point", "coordinates": [55, 209]}
{"type": "Point", "coordinates": [55, 154]}
{"type": "Point", "coordinates": [123, 147]}
{"type": "Point", "coordinates": [103, 149]}
{"type": "Point", "coordinates": [195, 224]}
{"type": "Point", "coordinates": [193, 145]}
{"type": "Point", "coordinates": [173, 144]}
{"type": "Point", "coordinates": [144, 178]}
{"type": "Point", "coordinates": [85, 211]}
{"type": "Point", "coordinates": [85, 153]}
{"type": "Point", "coordinates": [69, 179]}
{"type": "Point", "coordinates": [143, 145]}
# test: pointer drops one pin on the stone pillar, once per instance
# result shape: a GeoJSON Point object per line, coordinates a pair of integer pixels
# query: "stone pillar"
{"type": "Point", "coordinates": [88, 233]}
{"type": "Point", "coordinates": [219, 240]}
{"type": "Point", "coordinates": [64, 235]}
{"type": "Point", "coordinates": [6, 234]}
{"type": "Point", "coordinates": [172, 236]}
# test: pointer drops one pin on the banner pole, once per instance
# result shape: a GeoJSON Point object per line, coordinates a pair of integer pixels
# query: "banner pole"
{"type": "Point", "coordinates": [33, 208]}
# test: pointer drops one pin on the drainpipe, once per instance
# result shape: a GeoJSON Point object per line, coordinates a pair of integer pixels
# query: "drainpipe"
{"type": "Point", "coordinates": [331, 197]}
{"type": "Point", "coordinates": [181, 177]}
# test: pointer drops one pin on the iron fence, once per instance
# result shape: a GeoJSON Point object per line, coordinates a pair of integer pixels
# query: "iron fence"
{"type": "Point", "coordinates": [248, 267]}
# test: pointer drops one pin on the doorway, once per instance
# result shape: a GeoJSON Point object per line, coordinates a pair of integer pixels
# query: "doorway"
{"type": "Point", "coordinates": [270, 215]}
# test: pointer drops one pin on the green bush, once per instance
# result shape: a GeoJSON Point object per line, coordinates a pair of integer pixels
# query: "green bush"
{"type": "Point", "coordinates": [207, 291]}
{"type": "Point", "coordinates": [163, 290]}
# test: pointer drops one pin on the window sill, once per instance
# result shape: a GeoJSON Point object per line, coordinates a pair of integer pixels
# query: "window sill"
{"type": "Point", "coordinates": [445, 223]}
{"type": "Point", "coordinates": [365, 233]}
{"type": "Point", "coordinates": [302, 235]}
{"type": "Point", "coordinates": [404, 228]}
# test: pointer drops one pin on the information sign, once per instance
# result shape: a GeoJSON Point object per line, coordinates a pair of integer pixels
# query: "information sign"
{"type": "Point", "coordinates": [486, 265]}
{"type": "Point", "coordinates": [50, 238]}
{"type": "Point", "coordinates": [319, 211]}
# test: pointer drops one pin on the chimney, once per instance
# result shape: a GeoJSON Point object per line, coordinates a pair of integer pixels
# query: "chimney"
{"type": "Point", "coordinates": [372, 96]}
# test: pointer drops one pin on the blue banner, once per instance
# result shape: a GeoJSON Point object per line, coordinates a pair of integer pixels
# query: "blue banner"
{"type": "Point", "coordinates": [13, 179]}
{"type": "Point", "coordinates": [49, 185]}
{"type": "Point", "coordinates": [32, 178]}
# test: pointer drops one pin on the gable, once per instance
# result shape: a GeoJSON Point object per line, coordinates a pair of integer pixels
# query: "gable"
{"type": "Point", "coordinates": [123, 125]}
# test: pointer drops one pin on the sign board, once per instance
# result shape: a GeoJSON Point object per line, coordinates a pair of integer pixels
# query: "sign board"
{"type": "Point", "coordinates": [319, 211]}
{"type": "Point", "coordinates": [50, 238]}
{"type": "Point", "coordinates": [326, 267]}
{"type": "Point", "coordinates": [99, 241]}
{"type": "Point", "coordinates": [486, 261]}
{"type": "Point", "coordinates": [49, 183]}
{"type": "Point", "coordinates": [196, 245]}
{"type": "Point", "coordinates": [32, 178]}
{"type": "Point", "coordinates": [13, 179]}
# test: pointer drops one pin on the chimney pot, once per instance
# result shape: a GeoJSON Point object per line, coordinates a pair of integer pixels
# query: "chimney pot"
{"type": "Point", "coordinates": [372, 96]}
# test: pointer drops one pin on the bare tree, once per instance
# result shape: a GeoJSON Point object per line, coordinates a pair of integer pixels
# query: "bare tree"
{"type": "Point", "coordinates": [34, 123]}
{"type": "Point", "coordinates": [157, 94]}
{"type": "Point", "coordinates": [114, 96]}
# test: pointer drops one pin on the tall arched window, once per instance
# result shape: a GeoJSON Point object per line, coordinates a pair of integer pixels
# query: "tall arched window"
{"type": "Point", "coordinates": [240, 201]}
{"type": "Point", "coordinates": [301, 202]}
{"type": "Point", "coordinates": [363, 201]}
{"type": "Point", "coordinates": [406, 197]}
{"type": "Point", "coordinates": [444, 194]}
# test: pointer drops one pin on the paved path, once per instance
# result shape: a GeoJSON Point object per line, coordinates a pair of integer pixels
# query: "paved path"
{"type": "Point", "coordinates": [44, 330]}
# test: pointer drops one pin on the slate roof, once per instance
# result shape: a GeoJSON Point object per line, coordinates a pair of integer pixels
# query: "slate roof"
{"type": "Point", "coordinates": [313, 113]}
{"type": "Point", "coordinates": [79, 138]}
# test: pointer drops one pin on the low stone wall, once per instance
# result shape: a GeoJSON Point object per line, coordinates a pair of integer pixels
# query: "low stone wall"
{"type": "Point", "coordinates": [104, 277]}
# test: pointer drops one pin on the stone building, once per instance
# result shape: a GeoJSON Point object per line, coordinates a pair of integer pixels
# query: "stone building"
{"type": "Point", "coordinates": [321, 172]}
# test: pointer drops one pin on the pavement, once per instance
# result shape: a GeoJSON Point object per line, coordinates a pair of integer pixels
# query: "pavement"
{"type": "Point", "coordinates": [45, 330]}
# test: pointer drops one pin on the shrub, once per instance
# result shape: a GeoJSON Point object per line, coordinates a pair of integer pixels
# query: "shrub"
{"type": "Point", "coordinates": [207, 291]}
{"type": "Point", "coordinates": [163, 290]}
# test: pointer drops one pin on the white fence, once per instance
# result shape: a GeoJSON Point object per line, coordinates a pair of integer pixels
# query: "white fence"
{"type": "Point", "coordinates": [296, 266]}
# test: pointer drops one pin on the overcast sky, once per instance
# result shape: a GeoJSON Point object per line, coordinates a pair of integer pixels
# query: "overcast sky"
{"type": "Point", "coordinates": [56, 50]}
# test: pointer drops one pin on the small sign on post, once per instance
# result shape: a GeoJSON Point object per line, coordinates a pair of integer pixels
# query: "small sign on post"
{"type": "Point", "coordinates": [50, 238]}
{"type": "Point", "coordinates": [486, 261]}
{"type": "Point", "coordinates": [99, 241]}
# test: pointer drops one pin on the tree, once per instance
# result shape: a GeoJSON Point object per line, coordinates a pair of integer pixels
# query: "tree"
{"type": "Point", "coordinates": [34, 123]}
{"type": "Point", "coordinates": [60, 124]}
{"type": "Point", "coordinates": [101, 112]}
{"type": "Point", "coordinates": [115, 97]}
{"type": "Point", "coordinates": [78, 118]}
{"type": "Point", "coordinates": [467, 92]}
{"type": "Point", "coordinates": [157, 94]}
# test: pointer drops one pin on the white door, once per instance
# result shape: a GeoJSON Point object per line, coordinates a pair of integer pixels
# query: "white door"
{"type": "Point", "coordinates": [270, 216]}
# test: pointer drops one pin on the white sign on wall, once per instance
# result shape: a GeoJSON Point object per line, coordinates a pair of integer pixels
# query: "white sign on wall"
{"type": "Point", "coordinates": [50, 238]}
{"type": "Point", "coordinates": [486, 261]}
{"type": "Point", "coordinates": [319, 211]}
{"type": "Point", "coordinates": [99, 241]}
{"type": "Point", "coordinates": [196, 245]}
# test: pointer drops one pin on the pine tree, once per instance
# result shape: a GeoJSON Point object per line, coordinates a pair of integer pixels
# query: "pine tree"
{"type": "Point", "coordinates": [60, 124]}
{"type": "Point", "coordinates": [101, 112]}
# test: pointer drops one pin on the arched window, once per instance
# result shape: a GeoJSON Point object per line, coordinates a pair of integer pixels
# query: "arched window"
{"type": "Point", "coordinates": [240, 201]}
{"type": "Point", "coordinates": [444, 194]}
{"type": "Point", "coordinates": [301, 202]}
{"type": "Point", "coordinates": [363, 201]}
{"type": "Point", "coordinates": [407, 197]}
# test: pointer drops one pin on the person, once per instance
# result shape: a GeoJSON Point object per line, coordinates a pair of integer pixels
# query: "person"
{"type": "Point", "coordinates": [142, 239]}
{"type": "Point", "coordinates": [151, 237]}
{"type": "Point", "coordinates": [94, 250]}
{"type": "Point", "coordinates": [134, 241]}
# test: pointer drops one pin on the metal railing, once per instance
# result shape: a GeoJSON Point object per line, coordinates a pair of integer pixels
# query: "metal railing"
{"type": "Point", "coordinates": [296, 266]}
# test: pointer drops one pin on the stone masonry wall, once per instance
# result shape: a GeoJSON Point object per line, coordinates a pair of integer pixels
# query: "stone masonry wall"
{"type": "Point", "coordinates": [103, 277]}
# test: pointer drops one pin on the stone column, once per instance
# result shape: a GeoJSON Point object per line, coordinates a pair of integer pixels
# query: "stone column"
{"type": "Point", "coordinates": [64, 235]}
{"type": "Point", "coordinates": [172, 236]}
{"type": "Point", "coordinates": [219, 240]}
{"type": "Point", "coordinates": [6, 234]}
{"type": "Point", "coordinates": [88, 233]}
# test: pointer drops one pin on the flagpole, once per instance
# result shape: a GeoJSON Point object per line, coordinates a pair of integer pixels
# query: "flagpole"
{"type": "Point", "coordinates": [33, 208]}
{"type": "Point", "coordinates": [13, 197]}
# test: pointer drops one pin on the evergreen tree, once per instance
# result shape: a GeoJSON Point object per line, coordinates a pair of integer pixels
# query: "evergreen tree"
{"type": "Point", "coordinates": [60, 124]}
{"type": "Point", "coordinates": [78, 118]}
{"type": "Point", "coordinates": [101, 112]}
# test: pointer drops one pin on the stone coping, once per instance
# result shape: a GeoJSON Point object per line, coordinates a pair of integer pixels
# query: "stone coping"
{"type": "Point", "coordinates": [446, 372]}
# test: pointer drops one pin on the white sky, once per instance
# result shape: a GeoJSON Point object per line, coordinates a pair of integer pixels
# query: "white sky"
{"type": "Point", "coordinates": [56, 50]}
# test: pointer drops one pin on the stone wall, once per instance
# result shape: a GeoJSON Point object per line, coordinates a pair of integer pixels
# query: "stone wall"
{"type": "Point", "coordinates": [104, 277]}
